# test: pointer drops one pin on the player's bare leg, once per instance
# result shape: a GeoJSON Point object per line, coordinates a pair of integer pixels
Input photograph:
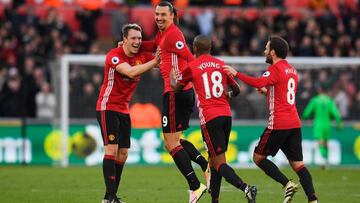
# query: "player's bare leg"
{"type": "Point", "coordinates": [183, 162]}
{"type": "Point", "coordinates": [305, 179]}
{"type": "Point", "coordinates": [231, 177]}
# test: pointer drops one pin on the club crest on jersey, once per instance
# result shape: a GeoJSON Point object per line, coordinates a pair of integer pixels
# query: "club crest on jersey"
{"type": "Point", "coordinates": [138, 62]}
{"type": "Point", "coordinates": [266, 74]}
{"type": "Point", "coordinates": [111, 137]}
{"type": "Point", "coordinates": [179, 45]}
{"type": "Point", "coordinates": [115, 60]}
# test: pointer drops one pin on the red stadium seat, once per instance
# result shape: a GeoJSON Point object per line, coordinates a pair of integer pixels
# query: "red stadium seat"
{"type": "Point", "coordinates": [69, 16]}
{"type": "Point", "coordinates": [1, 10]}
{"type": "Point", "coordinates": [103, 26]}
{"type": "Point", "coordinates": [271, 12]}
{"type": "Point", "coordinates": [297, 3]}
{"type": "Point", "coordinates": [145, 17]}
{"type": "Point", "coordinates": [251, 13]}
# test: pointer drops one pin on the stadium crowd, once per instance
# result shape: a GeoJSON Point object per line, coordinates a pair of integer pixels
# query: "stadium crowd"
{"type": "Point", "coordinates": [30, 46]}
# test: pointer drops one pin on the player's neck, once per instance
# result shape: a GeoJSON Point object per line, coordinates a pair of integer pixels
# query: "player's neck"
{"type": "Point", "coordinates": [276, 59]}
{"type": "Point", "coordinates": [127, 52]}
{"type": "Point", "coordinates": [162, 31]}
{"type": "Point", "coordinates": [197, 55]}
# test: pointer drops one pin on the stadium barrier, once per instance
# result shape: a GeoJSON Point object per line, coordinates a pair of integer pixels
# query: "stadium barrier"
{"type": "Point", "coordinates": [42, 145]}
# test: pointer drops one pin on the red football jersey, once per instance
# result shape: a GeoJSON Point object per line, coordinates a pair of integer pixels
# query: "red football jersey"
{"type": "Point", "coordinates": [117, 90]}
{"type": "Point", "coordinates": [174, 54]}
{"type": "Point", "coordinates": [281, 81]}
{"type": "Point", "coordinates": [210, 82]}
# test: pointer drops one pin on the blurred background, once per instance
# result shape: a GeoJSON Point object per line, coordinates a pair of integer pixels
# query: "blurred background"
{"type": "Point", "coordinates": [35, 34]}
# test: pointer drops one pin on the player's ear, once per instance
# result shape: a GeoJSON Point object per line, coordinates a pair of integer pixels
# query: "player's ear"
{"type": "Point", "coordinates": [272, 52]}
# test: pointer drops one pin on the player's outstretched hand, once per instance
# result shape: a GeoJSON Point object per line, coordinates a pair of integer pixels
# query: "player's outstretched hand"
{"type": "Point", "coordinates": [262, 90]}
{"type": "Point", "coordinates": [120, 44]}
{"type": "Point", "coordinates": [158, 55]}
{"type": "Point", "coordinates": [229, 70]}
{"type": "Point", "coordinates": [172, 78]}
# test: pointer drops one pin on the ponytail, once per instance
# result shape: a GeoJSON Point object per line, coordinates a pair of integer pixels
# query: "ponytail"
{"type": "Point", "coordinates": [176, 17]}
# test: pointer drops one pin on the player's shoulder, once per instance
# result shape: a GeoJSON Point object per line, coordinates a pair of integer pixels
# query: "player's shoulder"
{"type": "Point", "coordinates": [114, 51]}
{"type": "Point", "coordinates": [175, 32]}
{"type": "Point", "coordinates": [217, 60]}
{"type": "Point", "coordinates": [114, 56]}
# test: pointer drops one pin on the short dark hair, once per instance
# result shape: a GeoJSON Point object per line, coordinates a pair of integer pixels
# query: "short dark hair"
{"type": "Point", "coordinates": [130, 26]}
{"type": "Point", "coordinates": [172, 10]}
{"type": "Point", "coordinates": [203, 44]}
{"type": "Point", "coordinates": [279, 45]}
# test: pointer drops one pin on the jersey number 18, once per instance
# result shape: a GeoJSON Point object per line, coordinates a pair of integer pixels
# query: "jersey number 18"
{"type": "Point", "coordinates": [217, 89]}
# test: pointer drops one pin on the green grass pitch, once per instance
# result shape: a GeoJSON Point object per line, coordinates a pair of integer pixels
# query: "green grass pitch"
{"type": "Point", "coordinates": [160, 185]}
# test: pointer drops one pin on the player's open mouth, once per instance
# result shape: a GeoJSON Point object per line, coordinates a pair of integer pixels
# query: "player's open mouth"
{"type": "Point", "coordinates": [160, 23]}
{"type": "Point", "coordinates": [136, 46]}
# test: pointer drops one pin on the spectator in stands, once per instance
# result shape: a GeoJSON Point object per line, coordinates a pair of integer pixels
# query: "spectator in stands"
{"type": "Point", "coordinates": [342, 101]}
{"type": "Point", "coordinates": [45, 102]}
{"type": "Point", "coordinates": [87, 20]}
{"type": "Point", "coordinates": [119, 17]}
{"type": "Point", "coordinates": [356, 51]}
{"type": "Point", "coordinates": [88, 101]}
{"type": "Point", "coordinates": [11, 98]}
{"type": "Point", "coordinates": [356, 108]}
{"type": "Point", "coordinates": [3, 77]}
{"type": "Point", "coordinates": [205, 21]}
{"type": "Point", "coordinates": [30, 85]}
{"type": "Point", "coordinates": [305, 48]}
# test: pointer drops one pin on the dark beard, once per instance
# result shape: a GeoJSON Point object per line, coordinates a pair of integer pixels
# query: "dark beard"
{"type": "Point", "coordinates": [269, 60]}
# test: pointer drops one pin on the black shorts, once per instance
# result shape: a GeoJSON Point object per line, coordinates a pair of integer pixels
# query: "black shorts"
{"type": "Point", "coordinates": [216, 135]}
{"type": "Point", "coordinates": [177, 108]}
{"type": "Point", "coordinates": [289, 141]}
{"type": "Point", "coordinates": [115, 128]}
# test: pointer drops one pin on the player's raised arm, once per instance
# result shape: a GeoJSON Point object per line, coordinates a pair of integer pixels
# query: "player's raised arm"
{"type": "Point", "coordinates": [254, 82]}
{"type": "Point", "coordinates": [133, 71]}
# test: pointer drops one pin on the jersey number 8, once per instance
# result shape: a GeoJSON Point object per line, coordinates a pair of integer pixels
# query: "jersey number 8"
{"type": "Point", "coordinates": [291, 91]}
{"type": "Point", "coordinates": [217, 88]}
